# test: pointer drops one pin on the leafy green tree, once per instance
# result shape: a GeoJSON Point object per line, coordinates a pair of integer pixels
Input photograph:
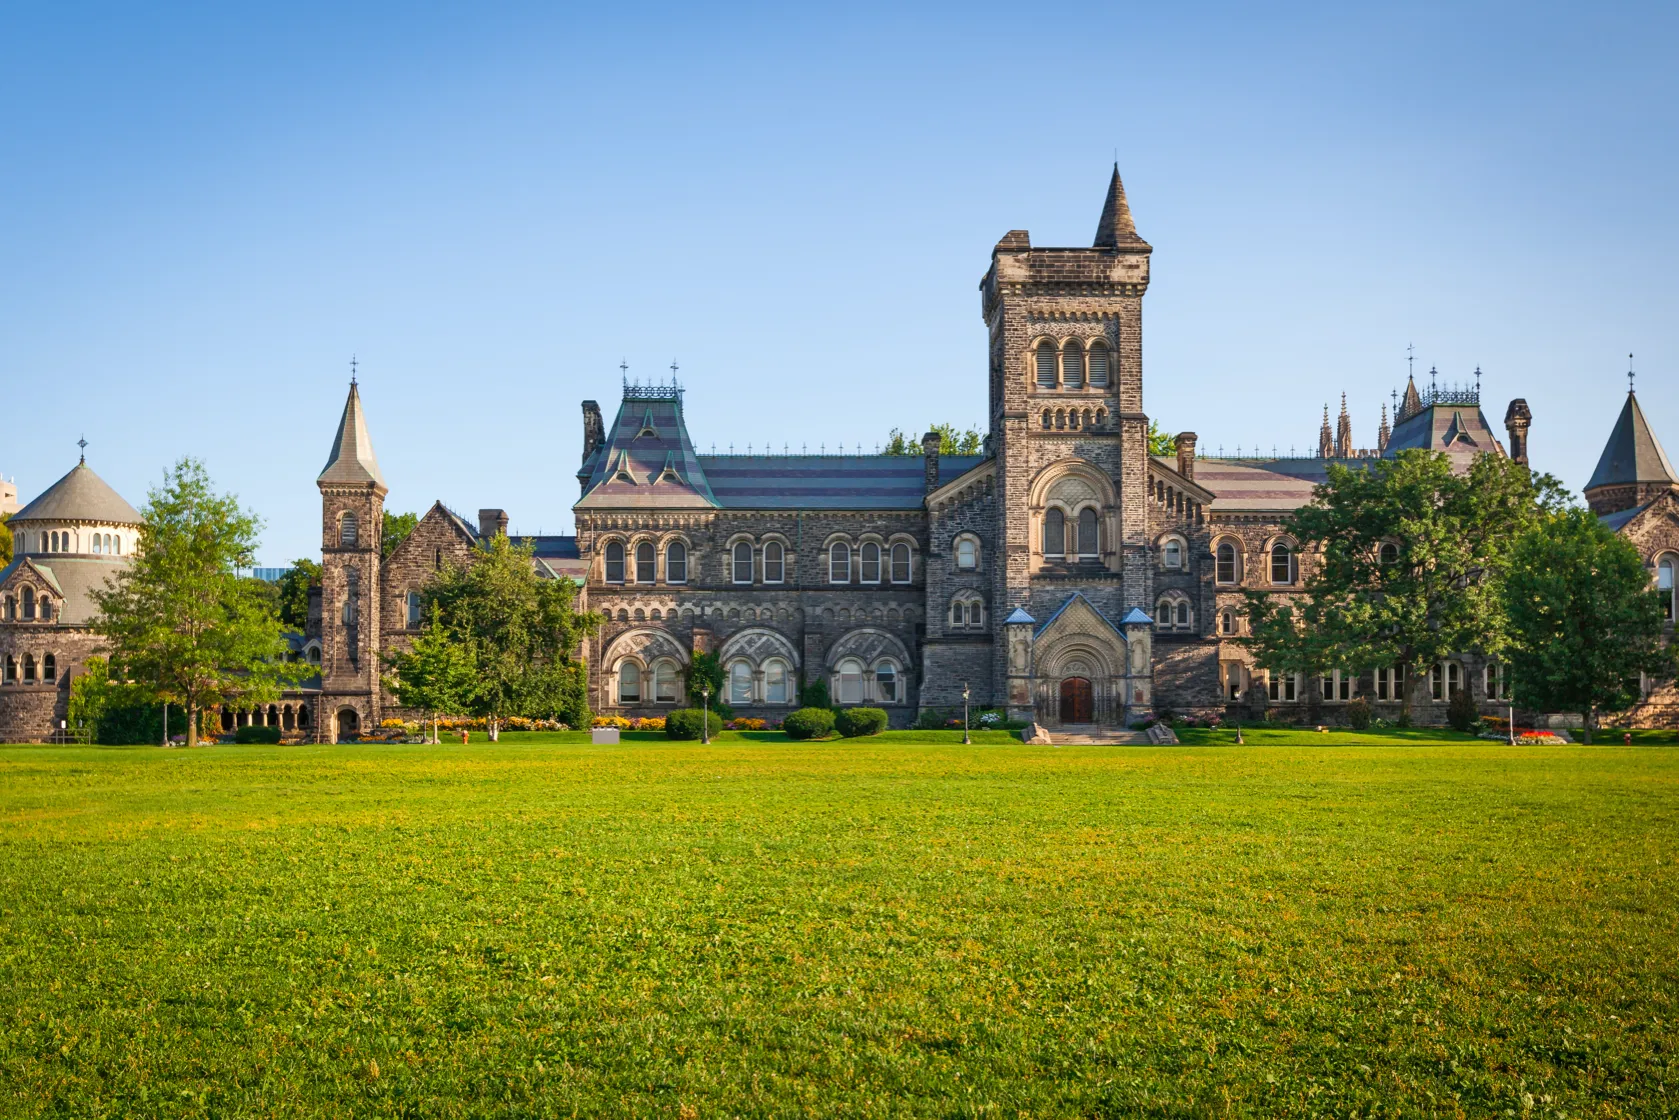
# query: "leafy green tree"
{"type": "Point", "coordinates": [1405, 562]}
{"type": "Point", "coordinates": [294, 589]}
{"type": "Point", "coordinates": [522, 633]}
{"type": "Point", "coordinates": [396, 528]}
{"type": "Point", "coordinates": [705, 670]}
{"type": "Point", "coordinates": [90, 696]}
{"type": "Point", "coordinates": [1584, 622]}
{"type": "Point", "coordinates": [178, 616]}
{"type": "Point", "coordinates": [5, 540]}
{"type": "Point", "coordinates": [1159, 443]}
{"type": "Point", "coordinates": [951, 441]}
{"type": "Point", "coordinates": [438, 676]}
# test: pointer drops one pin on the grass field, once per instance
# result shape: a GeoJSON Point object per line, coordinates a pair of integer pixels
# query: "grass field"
{"type": "Point", "coordinates": [881, 928]}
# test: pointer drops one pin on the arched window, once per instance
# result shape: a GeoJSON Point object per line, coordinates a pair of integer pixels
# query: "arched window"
{"type": "Point", "coordinates": [775, 682]}
{"type": "Point", "coordinates": [839, 563]}
{"type": "Point", "coordinates": [1225, 568]}
{"type": "Point", "coordinates": [645, 567]}
{"type": "Point", "coordinates": [676, 562]}
{"type": "Point", "coordinates": [1088, 546]}
{"type": "Point", "coordinates": [1183, 620]}
{"type": "Point", "coordinates": [967, 554]}
{"type": "Point", "coordinates": [667, 682]}
{"type": "Point", "coordinates": [1387, 554]}
{"type": "Point", "coordinates": [775, 562]}
{"type": "Point", "coordinates": [413, 610]}
{"type": "Point", "coordinates": [1098, 365]}
{"type": "Point", "coordinates": [615, 562]}
{"type": "Point", "coordinates": [28, 667]}
{"type": "Point", "coordinates": [1072, 366]}
{"type": "Point", "coordinates": [848, 681]}
{"type": "Point", "coordinates": [1665, 584]}
{"type": "Point", "coordinates": [1498, 681]}
{"type": "Point", "coordinates": [348, 531]}
{"type": "Point", "coordinates": [869, 563]}
{"type": "Point", "coordinates": [11, 608]}
{"type": "Point", "coordinates": [1282, 563]}
{"type": "Point", "coordinates": [1171, 555]}
{"type": "Point", "coordinates": [49, 668]}
{"type": "Point", "coordinates": [118, 542]}
{"type": "Point", "coordinates": [886, 682]}
{"type": "Point", "coordinates": [1046, 365]}
{"type": "Point", "coordinates": [1049, 419]}
{"type": "Point", "coordinates": [1073, 419]}
{"type": "Point", "coordinates": [1444, 679]}
{"type": "Point", "coordinates": [437, 560]}
{"type": "Point", "coordinates": [1055, 532]}
{"type": "Point", "coordinates": [741, 567]}
{"type": "Point", "coordinates": [52, 544]}
{"type": "Point", "coordinates": [629, 682]}
{"type": "Point", "coordinates": [740, 683]}
{"type": "Point", "coordinates": [1163, 614]}
{"type": "Point", "coordinates": [98, 542]}
{"type": "Point", "coordinates": [900, 563]}
{"type": "Point", "coordinates": [28, 602]}
{"type": "Point", "coordinates": [313, 654]}
{"type": "Point", "coordinates": [11, 669]}
{"type": "Point", "coordinates": [1227, 622]}
{"type": "Point", "coordinates": [46, 609]}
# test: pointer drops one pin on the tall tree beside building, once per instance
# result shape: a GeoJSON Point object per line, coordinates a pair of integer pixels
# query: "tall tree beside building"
{"type": "Point", "coordinates": [1406, 566]}
{"type": "Point", "coordinates": [294, 586]}
{"type": "Point", "coordinates": [5, 540]}
{"type": "Point", "coordinates": [394, 531]}
{"type": "Point", "coordinates": [438, 676]}
{"type": "Point", "coordinates": [1584, 621]}
{"type": "Point", "coordinates": [179, 619]}
{"type": "Point", "coordinates": [522, 633]}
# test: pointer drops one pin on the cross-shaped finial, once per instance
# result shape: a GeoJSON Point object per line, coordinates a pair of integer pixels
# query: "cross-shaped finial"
{"type": "Point", "coordinates": [353, 364]}
{"type": "Point", "coordinates": [82, 443]}
{"type": "Point", "coordinates": [1410, 360]}
{"type": "Point", "coordinates": [1630, 374]}
{"type": "Point", "coordinates": [624, 369]}
{"type": "Point", "coordinates": [673, 369]}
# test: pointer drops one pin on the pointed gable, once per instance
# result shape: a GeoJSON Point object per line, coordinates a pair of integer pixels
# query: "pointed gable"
{"type": "Point", "coordinates": [648, 459]}
{"type": "Point", "coordinates": [351, 461]}
{"type": "Point", "coordinates": [1633, 454]}
{"type": "Point", "coordinates": [1115, 227]}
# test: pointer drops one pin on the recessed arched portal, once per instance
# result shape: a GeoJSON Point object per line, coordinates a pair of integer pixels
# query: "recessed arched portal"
{"type": "Point", "coordinates": [1077, 700]}
{"type": "Point", "coordinates": [349, 725]}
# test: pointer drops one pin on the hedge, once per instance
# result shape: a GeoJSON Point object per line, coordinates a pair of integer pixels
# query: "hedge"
{"type": "Point", "coordinates": [256, 734]}
{"type": "Point", "coordinates": [856, 722]}
{"type": "Point", "coordinates": [684, 723]}
{"type": "Point", "coordinates": [809, 723]}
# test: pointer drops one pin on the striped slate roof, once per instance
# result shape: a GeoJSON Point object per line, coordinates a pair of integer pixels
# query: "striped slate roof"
{"type": "Point", "coordinates": [648, 460]}
{"type": "Point", "coordinates": [826, 481]}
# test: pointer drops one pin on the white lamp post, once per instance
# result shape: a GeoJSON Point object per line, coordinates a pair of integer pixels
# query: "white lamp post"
{"type": "Point", "coordinates": [965, 694]}
{"type": "Point", "coordinates": [705, 713]}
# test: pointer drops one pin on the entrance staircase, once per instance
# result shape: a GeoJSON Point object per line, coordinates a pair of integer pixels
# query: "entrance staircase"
{"type": "Point", "coordinates": [1090, 734]}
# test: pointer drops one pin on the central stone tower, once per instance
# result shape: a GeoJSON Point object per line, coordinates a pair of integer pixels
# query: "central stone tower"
{"type": "Point", "coordinates": [1067, 425]}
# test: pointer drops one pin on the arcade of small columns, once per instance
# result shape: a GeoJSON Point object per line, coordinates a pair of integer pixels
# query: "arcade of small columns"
{"type": "Point", "coordinates": [290, 716]}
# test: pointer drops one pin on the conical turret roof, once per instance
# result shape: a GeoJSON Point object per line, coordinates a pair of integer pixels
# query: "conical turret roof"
{"type": "Point", "coordinates": [80, 495]}
{"type": "Point", "coordinates": [1632, 453]}
{"type": "Point", "coordinates": [1115, 227]}
{"type": "Point", "coordinates": [352, 460]}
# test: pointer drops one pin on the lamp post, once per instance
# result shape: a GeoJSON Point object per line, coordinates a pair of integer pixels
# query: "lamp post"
{"type": "Point", "coordinates": [965, 694]}
{"type": "Point", "coordinates": [705, 713]}
{"type": "Point", "coordinates": [166, 723]}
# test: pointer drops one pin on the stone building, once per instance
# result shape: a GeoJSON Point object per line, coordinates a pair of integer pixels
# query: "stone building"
{"type": "Point", "coordinates": [65, 545]}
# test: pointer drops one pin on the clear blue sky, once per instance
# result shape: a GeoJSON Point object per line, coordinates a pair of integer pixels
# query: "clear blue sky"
{"type": "Point", "coordinates": [206, 209]}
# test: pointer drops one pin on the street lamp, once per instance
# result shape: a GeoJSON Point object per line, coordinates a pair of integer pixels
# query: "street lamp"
{"type": "Point", "coordinates": [705, 713]}
{"type": "Point", "coordinates": [965, 694]}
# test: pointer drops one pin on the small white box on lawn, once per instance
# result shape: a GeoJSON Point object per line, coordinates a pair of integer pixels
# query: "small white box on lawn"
{"type": "Point", "coordinates": [603, 735]}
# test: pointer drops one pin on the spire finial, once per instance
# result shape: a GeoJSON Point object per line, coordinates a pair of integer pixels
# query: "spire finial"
{"type": "Point", "coordinates": [82, 443]}
{"type": "Point", "coordinates": [1630, 374]}
{"type": "Point", "coordinates": [1410, 360]}
{"type": "Point", "coordinates": [352, 369]}
{"type": "Point", "coordinates": [1477, 383]}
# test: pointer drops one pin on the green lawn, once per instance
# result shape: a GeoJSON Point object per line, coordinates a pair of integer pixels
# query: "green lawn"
{"type": "Point", "coordinates": [870, 928]}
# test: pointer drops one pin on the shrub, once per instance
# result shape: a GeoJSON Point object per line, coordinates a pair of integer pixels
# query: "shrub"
{"type": "Point", "coordinates": [814, 695]}
{"type": "Point", "coordinates": [255, 734]}
{"type": "Point", "coordinates": [1358, 714]}
{"type": "Point", "coordinates": [808, 723]}
{"type": "Point", "coordinates": [856, 722]}
{"type": "Point", "coordinates": [933, 719]}
{"type": "Point", "coordinates": [1461, 712]}
{"type": "Point", "coordinates": [685, 723]}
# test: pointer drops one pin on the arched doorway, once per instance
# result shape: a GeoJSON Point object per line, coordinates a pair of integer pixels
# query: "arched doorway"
{"type": "Point", "coordinates": [349, 725]}
{"type": "Point", "coordinates": [1077, 704]}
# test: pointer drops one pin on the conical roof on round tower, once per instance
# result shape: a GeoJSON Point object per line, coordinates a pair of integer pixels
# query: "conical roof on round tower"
{"type": "Point", "coordinates": [1633, 454]}
{"type": "Point", "coordinates": [80, 496]}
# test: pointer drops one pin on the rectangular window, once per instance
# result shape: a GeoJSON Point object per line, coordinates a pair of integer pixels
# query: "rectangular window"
{"type": "Point", "coordinates": [1338, 687]}
{"type": "Point", "coordinates": [1444, 680]}
{"type": "Point", "coordinates": [1284, 688]}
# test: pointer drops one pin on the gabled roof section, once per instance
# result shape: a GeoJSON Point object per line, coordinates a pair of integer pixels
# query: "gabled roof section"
{"type": "Point", "coordinates": [1458, 428]}
{"type": "Point", "coordinates": [80, 495]}
{"type": "Point", "coordinates": [1019, 616]}
{"type": "Point", "coordinates": [648, 460]}
{"type": "Point", "coordinates": [1633, 453]}
{"type": "Point", "coordinates": [1115, 228]}
{"type": "Point", "coordinates": [1077, 602]}
{"type": "Point", "coordinates": [1136, 616]}
{"type": "Point", "coordinates": [352, 461]}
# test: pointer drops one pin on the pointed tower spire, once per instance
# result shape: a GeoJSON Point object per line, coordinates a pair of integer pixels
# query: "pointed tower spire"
{"type": "Point", "coordinates": [1344, 432]}
{"type": "Point", "coordinates": [1412, 404]}
{"type": "Point", "coordinates": [1382, 433]}
{"type": "Point", "coordinates": [352, 460]}
{"type": "Point", "coordinates": [1633, 454]}
{"type": "Point", "coordinates": [1115, 227]}
{"type": "Point", "coordinates": [1326, 441]}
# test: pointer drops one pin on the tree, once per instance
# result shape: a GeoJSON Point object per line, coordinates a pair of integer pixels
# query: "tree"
{"type": "Point", "coordinates": [1409, 560]}
{"type": "Point", "coordinates": [437, 676]}
{"type": "Point", "coordinates": [951, 441]}
{"type": "Point", "coordinates": [705, 671]}
{"type": "Point", "coordinates": [1159, 443]}
{"type": "Point", "coordinates": [396, 528]}
{"type": "Point", "coordinates": [1584, 622]}
{"type": "Point", "coordinates": [5, 540]}
{"type": "Point", "coordinates": [521, 631]}
{"type": "Point", "coordinates": [294, 586]}
{"type": "Point", "coordinates": [179, 618]}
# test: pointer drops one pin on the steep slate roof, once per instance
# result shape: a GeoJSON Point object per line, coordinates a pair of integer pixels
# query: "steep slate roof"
{"type": "Point", "coordinates": [827, 481]}
{"type": "Point", "coordinates": [352, 460]}
{"type": "Point", "coordinates": [1460, 431]}
{"type": "Point", "coordinates": [1115, 227]}
{"type": "Point", "coordinates": [1632, 453]}
{"type": "Point", "coordinates": [559, 555]}
{"type": "Point", "coordinates": [1263, 485]}
{"type": "Point", "coordinates": [648, 459]}
{"type": "Point", "coordinates": [80, 495]}
{"type": "Point", "coordinates": [74, 578]}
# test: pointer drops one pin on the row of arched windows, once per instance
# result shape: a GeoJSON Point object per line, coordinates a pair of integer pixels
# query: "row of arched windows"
{"type": "Point", "coordinates": [868, 562]}
{"type": "Point", "coordinates": [967, 611]}
{"type": "Point", "coordinates": [772, 683]}
{"type": "Point", "coordinates": [29, 607]}
{"type": "Point", "coordinates": [873, 564]}
{"type": "Point", "coordinates": [27, 670]}
{"type": "Point", "coordinates": [1284, 564]}
{"type": "Point", "coordinates": [1071, 366]}
{"type": "Point", "coordinates": [1173, 612]}
{"type": "Point", "coordinates": [1445, 680]}
{"type": "Point", "coordinates": [1071, 418]}
{"type": "Point", "coordinates": [65, 541]}
{"type": "Point", "coordinates": [1079, 537]}
{"type": "Point", "coordinates": [644, 564]}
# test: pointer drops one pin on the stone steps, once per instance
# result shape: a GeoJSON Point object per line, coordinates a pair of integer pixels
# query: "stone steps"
{"type": "Point", "coordinates": [1093, 735]}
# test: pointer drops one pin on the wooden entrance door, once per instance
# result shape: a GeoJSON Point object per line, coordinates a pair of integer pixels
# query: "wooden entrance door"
{"type": "Point", "coordinates": [1075, 700]}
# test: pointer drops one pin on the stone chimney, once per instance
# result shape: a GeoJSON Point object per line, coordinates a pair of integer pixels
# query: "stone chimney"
{"type": "Point", "coordinates": [1186, 455]}
{"type": "Point", "coordinates": [492, 523]}
{"type": "Point", "coordinates": [1516, 419]}
{"type": "Point", "coordinates": [930, 456]}
{"type": "Point", "coordinates": [594, 429]}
